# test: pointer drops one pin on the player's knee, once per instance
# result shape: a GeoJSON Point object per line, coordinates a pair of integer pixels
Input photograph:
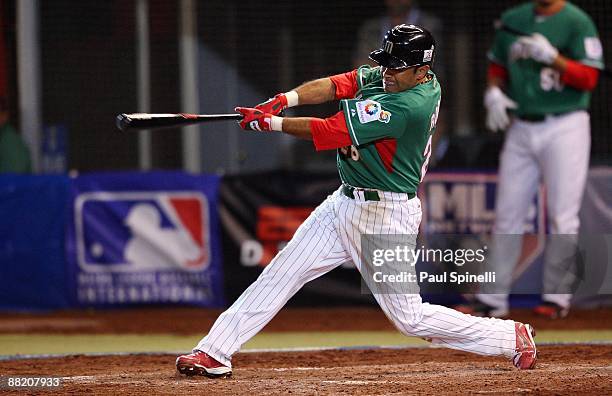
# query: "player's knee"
{"type": "Point", "coordinates": [409, 318]}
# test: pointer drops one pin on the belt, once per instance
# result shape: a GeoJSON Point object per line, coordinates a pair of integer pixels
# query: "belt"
{"type": "Point", "coordinates": [537, 117]}
{"type": "Point", "coordinates": [368, 195]}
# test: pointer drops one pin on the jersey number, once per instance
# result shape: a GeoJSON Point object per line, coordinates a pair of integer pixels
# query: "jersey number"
{"type": "Point", "coordinates": [350, 152]}
{"type": "Point", "coordinates": [550, 79]}
{"type": "Point", "coordinates": [427, 152]}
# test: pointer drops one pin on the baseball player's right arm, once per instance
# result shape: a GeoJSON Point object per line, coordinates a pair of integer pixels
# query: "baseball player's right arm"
{"type": "Point", "coordinates": [496, 101]}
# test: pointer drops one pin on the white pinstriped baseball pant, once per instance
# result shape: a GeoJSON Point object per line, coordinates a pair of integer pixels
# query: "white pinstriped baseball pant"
{"type": "Point", "coordinates": [556, 152]}
{"type": "Point", "coordinates": [329, 237]}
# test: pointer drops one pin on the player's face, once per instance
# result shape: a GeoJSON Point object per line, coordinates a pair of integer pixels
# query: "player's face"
{"type": "Point", "coordinates": [398, 80]}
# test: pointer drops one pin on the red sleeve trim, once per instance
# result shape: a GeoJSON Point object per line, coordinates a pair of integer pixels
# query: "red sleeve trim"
{"type": "Point", "coordinates": [330, 133]}
{"type": "Point", "coordinates": [346, 84]}
{"type": "Point", "coordinates": [496, 70]}
{"type": "Point", "coordinates": [580, 76]}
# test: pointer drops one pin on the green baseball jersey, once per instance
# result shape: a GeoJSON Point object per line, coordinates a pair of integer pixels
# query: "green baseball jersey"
{"type": "Point", "coordinates": [391, 133]}
{"type": "Point", "coordinates": [537, 88]}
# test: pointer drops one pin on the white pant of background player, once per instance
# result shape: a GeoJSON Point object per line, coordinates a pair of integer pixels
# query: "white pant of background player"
{"type": "Point", "coordinates": [556, 152]}
{"type": "Point", "coordinates": [329, 237]}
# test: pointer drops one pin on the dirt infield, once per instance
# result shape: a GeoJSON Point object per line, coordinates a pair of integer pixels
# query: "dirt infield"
{"type": "Point", "coordinates": [568, 369]}
{"type": "Point", "coordinates": [562, 370]}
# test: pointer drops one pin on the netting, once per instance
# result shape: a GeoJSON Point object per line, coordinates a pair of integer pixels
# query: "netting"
{"type": "Point", "coordinates": [277, 47]}
{"type": "Point", "coordinates": [89, 71]}
{"type": "Point", "coordinates": [250, 50]}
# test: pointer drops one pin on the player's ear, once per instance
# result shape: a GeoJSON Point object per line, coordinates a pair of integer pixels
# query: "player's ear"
{"type": "Point", "coordinates": [421, 71]}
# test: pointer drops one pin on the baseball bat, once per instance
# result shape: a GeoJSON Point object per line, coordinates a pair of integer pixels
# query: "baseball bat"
{"type": "Point", "coordinates": [154, 121]}
{"type": "Point", "coordinates": [499, 25]}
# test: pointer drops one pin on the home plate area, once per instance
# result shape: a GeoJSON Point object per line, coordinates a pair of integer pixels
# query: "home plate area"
{"type": "Point", "coordinates": [566, 369]}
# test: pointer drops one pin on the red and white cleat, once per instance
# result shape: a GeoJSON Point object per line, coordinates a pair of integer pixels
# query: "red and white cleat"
{"type": "Point", "coordinates": [200, 363]}
{"type": "Point", "coordinates": [525, 356]}
{"type": "Point", "coordinates": [550, 310]}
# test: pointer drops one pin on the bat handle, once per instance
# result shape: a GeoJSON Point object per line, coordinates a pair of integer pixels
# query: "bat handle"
{"type": "Point", "coordinates": [236, 116]}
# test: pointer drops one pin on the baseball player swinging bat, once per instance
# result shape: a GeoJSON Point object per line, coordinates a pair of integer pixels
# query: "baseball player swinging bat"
{"type": "Point", "coordinates": [499, 25]}
{"type": "Point", "coordinates": [155, 121]}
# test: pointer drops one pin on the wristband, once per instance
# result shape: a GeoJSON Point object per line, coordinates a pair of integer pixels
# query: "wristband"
{"type": "Point", "coordinates": [292, 98]}
{"type": "Point", "coordinates": [276, 123]}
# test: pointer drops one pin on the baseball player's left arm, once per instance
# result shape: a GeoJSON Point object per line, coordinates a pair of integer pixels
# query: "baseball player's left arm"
{"type": "Point", "coordinates": [326, 133]}
{"type": "Point", "coordinates": [573, 73]}
{"type": "Point", "coordinates": [312, 92]}
{"type": "Point", "coordinates": [318, 91]}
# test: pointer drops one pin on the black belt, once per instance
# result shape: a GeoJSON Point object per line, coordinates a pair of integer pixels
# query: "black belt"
{"type": "Point", "coordinates": [536, 117]}
{"type": "Point", "coordinates": [368, 195]}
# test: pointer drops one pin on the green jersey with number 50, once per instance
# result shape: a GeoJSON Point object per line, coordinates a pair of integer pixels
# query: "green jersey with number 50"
{"type": "Point", "coordinates": [391, 133]}
{"type": "Point", "coordinates": [537, 88]}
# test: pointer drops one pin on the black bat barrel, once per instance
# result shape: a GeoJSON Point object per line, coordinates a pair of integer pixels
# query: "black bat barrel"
{"type": "Point", "coordinates": [154, 121]}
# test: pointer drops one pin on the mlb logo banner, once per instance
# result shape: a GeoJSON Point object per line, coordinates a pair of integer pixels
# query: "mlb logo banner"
{"type": "Point", "coordinates": [145, 238]}
{"type": "Point", "coordinates": [156, 230]}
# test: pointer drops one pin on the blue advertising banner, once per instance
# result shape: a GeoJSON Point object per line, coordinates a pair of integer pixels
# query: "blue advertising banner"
{"type": "Point", "coordinates": [33, 210]}
{"type": "Point", "coordinates": [137, 238]}
{"type": "Point", "coordinates": [54, 149]}
{"type": "Point", "coordinates": [464, 203]}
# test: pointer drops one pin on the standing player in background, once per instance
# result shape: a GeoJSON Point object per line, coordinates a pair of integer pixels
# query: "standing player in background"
{"type": "Point", "coordinates": [383, 137]}
{"type": "Point", "coordinates": [545, 80]}
{"type": "Point", "coordinates": [397, 12]}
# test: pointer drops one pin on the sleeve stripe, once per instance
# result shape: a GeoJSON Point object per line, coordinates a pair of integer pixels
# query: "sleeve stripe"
{"type": "Point", "coordinates": [592, 63]}
{"type": "Point", "coordinates": [350, 122]}
{"type": "Point", "coordinates": [360, 72]}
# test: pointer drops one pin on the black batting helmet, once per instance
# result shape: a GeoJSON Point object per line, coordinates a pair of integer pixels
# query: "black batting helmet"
{"type": "Point", "coordinates": [405, 46]}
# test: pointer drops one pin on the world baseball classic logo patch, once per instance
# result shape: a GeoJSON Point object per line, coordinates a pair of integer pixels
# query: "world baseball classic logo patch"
{"type": "Point", "coordinates": [142, 231]}
{"type": "Point", "coordinates": [370, 110]}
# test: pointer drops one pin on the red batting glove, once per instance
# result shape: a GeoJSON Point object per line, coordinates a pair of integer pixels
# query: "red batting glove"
{"type": "Point", "coordinates": [254, 119]}
{"type": "Point", "coordinates": [274, 105]}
